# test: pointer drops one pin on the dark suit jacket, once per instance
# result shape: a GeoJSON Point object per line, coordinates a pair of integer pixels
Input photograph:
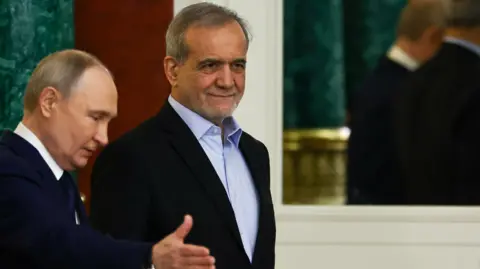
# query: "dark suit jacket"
{"type": "Point", "coordinates": [36, 229]}
{"type": "Point", "coordinates": [146, 181]}
{"type": "Point", "coordinates": [372, 165]}
{"type": "Point", "coordinates": [439, 130]}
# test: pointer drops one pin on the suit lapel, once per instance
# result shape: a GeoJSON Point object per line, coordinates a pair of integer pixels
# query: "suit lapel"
{"type": "Point", "coordinates": [187, 146]}
{"type": "Point", "coordinates": [28, 152]}
{"type": "Point", "coordinates": [252, 155]}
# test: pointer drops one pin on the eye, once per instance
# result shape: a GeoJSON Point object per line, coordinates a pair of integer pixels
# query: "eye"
{"type": "Point", "coordinates": [95, 117]}
{"type": "Point", "coordinates": [209, 67]}
{"type": "Point", "coordinates": [238, 67]}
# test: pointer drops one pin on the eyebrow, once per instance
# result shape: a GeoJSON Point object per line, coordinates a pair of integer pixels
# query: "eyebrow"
{"type": "Point", "coordinates": [101, 113]}
{"type": "Point", "coordinates": [213, 60]}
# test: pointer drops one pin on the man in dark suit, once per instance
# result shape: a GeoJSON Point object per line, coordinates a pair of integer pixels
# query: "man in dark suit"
{"type": "Point", "coordinates": [372, 166]}
{"type": "Point", "coordinates": [68, 103]}
{"type": "Point", "coordinates": [193, 157]}
{"type": "Point", "coordinates": [439, 117]}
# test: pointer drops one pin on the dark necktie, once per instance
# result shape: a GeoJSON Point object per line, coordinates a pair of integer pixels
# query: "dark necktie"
{"type": "Point", "coordinates": [69, 190]}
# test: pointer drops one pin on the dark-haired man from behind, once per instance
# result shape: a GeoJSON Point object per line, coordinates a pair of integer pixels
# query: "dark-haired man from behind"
{"type": "Point", "coordinates": [372, 171]}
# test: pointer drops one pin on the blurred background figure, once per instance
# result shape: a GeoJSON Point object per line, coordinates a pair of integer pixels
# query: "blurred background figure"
{"type": "Point", "coordinates": [438, 124]}
{"type": "Point", "coordinates": [372, 172]}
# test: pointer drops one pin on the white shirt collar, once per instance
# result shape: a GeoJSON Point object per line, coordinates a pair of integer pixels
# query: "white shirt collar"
{"type": "Point", "coordinates": [464, 43]}
{"type": "Point", "coordinates": [31, 138]}
{"type": "Point", "coordinates": [399, 56]}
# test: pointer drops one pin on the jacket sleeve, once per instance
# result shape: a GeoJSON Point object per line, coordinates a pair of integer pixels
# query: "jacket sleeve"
{"type": "Point", "coordinates": [30, 229]}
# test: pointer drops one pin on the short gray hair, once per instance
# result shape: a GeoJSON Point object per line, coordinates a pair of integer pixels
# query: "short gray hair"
{"type": "Point", "coordinates": [418, 15]}
{"type": "Point", "coordinates": [60, 70]}
{"type": "Point", "coordinates": [463, 13]}
{"type": "Point", "coordinates": [200, 14]}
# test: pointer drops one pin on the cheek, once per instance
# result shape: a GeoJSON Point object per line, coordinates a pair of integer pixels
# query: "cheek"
{"type": "Point", "coordinates": [89, 130]}
{"type": "Point", "coordinates": [240, 82]}
{"type": "Point", "coordinates": [85, 129]}
{"type": "Point", "coordinates": [75, 131]}
{"type": "Point", "coordinates": [204, 81]}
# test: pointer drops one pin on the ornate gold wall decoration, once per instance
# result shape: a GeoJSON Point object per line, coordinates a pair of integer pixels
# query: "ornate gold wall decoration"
{"type": "Point", "coordinates": [314, 166]}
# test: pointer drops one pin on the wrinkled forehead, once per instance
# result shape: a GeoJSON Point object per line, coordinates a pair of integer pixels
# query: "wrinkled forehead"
{"type": "Point", "coordinates": [226, 40]}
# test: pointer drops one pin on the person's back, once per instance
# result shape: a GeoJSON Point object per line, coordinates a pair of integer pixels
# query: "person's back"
{"type": "Point", "coordinates": [438, 128]}
{"type": "Point", "coordinates": [372, 167]}
{"type": "Point", "coordinates": [439, 117]}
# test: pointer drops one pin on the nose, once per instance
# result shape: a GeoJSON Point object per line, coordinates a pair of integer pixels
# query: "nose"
{"type": "Point", "coordinates": [225, 78]}
{"type": "Point", "coordinates": [102, 134]}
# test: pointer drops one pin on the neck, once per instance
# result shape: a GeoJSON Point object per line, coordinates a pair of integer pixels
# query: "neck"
{"type": "Point", "coordinates": [409, 48]}
{"type": "Point", "coordinates": [468, 34]}
{"type": "Point", "coordinates": [38, 127]}
{"type": "Point", "coordinates": [35, 124]}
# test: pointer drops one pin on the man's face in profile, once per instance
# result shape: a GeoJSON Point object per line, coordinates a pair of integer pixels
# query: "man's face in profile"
{"type": "Point", "coordinates": [211, 81]}
{"type": "Point", "coordinates": [79, 124]}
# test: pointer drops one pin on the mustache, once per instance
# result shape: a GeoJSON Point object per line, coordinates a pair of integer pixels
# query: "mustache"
{"type": "Point", "coordinates": [222, 93]}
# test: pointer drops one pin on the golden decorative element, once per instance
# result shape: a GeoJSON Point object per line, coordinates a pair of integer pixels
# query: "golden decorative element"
{"type": "Point", "coordinates": [314, 164]}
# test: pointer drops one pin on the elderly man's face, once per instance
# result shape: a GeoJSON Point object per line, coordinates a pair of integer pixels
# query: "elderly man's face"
{"type": "Point", "coordinates": [78, 125]}
{"type": "Point", "coordinates": [211, 81]}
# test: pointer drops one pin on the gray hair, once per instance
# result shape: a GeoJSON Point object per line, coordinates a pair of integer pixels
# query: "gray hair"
{"type": "Point", "coordinates": [463, 13]}
{"type": "Point", "coordinates": [418, 15]}
{"type": "Point", "coordinates": [200, 14]}
{"type": "Point", "coordinates": [60, 70]}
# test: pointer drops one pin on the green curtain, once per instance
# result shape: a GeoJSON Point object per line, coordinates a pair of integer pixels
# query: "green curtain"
{"type": "Point", "coordinates": [29, 30]}
{"type": "Point", "coordinates": [329, 47]}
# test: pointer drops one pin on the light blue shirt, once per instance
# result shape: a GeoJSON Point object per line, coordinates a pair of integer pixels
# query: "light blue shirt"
{"type": "Point", "coordinates": [231, 168]}
{"type": "Point", "coordinates": [464, 43]}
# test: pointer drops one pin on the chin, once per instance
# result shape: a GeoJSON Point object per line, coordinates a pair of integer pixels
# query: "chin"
{"type": "Point", "coordinates": [81, 163]}
{"type": "Point", "coordinates": [221, 115]}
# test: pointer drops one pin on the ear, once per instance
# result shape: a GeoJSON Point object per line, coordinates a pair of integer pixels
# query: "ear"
{"type": "Point", "coordinates": [171, 66]}
{"type": "Point", "coordinates": [48, 100]}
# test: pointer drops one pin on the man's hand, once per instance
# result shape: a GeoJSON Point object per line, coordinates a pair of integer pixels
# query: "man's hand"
{"type": "Point", "coordinates": [173, 253]}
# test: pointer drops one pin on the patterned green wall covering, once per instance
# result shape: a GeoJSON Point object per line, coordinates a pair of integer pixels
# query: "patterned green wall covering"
{"type": "Point", "coordinates": [329, 46]}
{"type": "Point", "coordinates": [29, 30]}
{"type": "Point", "coordinates": [313, 63]}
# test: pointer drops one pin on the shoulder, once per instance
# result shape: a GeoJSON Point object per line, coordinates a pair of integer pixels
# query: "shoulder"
{"type": "Point", "coordinates": [13, 165]}
{"type": "Point", "coordinates": [134, 140]}
{"type": "Point", "coordinates": [378, 83]}
{"type": "Point", "coordinates": [254, 143]}
{"type": "Point", "coordinates": [144, 131]}
{"type": "Point", "coordinates": [386, 72]}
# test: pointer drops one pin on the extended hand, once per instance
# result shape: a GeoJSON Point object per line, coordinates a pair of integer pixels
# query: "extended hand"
{"type": "Point", "coordinates": [173, 253]}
